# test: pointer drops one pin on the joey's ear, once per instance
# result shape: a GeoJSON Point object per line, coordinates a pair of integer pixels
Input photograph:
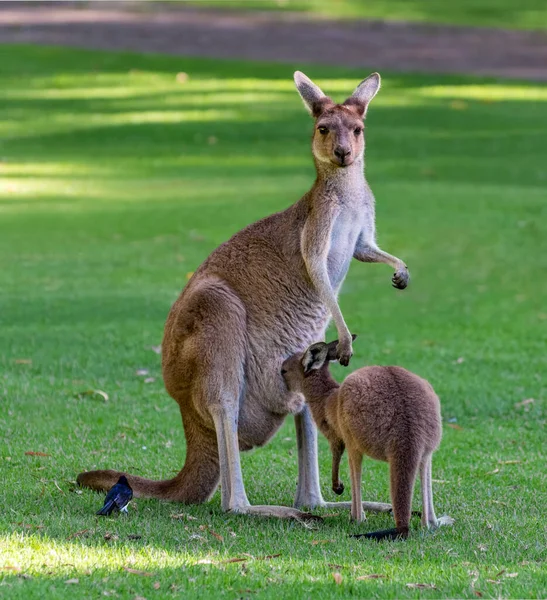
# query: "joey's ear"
{"type": "Point", "coordinates": [314, 99]}
{"type": "Point", "coordinates": [314, 357]}
{"type": "Point", "coordinates": [331, 354]}
{"type": "Point", "coordinates": [332, 347]}
{"type": "Point", "coordinates": [364, 93]}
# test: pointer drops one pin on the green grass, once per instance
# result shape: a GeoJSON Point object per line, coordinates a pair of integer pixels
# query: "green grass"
{"type": "Point", "coordinates": [527, 14]}
{"type": "Point", "coordinates": [117, 181]}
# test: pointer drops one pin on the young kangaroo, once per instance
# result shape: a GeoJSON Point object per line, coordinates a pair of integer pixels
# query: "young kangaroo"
{"type": "Point", "coordinates": [263, 295]}
{"type": "Point", "coordinates": [386, 413]}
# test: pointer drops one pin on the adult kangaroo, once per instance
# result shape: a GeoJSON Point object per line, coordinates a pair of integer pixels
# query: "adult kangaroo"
{"type": "Point", "coordinates": [263, 295]}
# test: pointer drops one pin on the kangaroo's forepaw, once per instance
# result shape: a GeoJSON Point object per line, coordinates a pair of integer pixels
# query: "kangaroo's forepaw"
{"type": "Point", "coordinates": [401, 278]}
{"type": "Point", "coordinates": [445, 520]}
{"type": "Point", "coordinates": [344, 352]}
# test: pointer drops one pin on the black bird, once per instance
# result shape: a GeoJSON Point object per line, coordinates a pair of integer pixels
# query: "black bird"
{"type": "Point", "coordinates": [117, 498]}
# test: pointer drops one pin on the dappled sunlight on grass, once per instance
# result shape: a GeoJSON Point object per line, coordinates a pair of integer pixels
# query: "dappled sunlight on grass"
{"type": "Point", "coordinates": [486, 92]}
{"type": "Point", "coordinates": [37, 169]}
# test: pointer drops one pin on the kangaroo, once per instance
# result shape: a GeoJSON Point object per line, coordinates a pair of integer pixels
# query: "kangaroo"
{"type": "Point", "coordinates": [386, 413]}
{"type": "Point", "coordinates": [263, 295]}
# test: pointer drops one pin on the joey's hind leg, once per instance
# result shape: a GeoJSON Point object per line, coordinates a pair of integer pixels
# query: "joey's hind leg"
{"type": "Point", "coordinates": [337, 450]}
{"type": "Point", "coordinates": [428, 511]}
{"type": "Point", "coordinates": [355, 468]}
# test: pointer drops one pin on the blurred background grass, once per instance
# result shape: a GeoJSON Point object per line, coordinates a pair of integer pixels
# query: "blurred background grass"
{"type": "Point", "coordinates": [528, 14]}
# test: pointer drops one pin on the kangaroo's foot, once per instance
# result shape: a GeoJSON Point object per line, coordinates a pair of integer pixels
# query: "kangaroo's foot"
{"type": "Point", "coordinates": [379, 507]}
{"type": "Point", "coordinates": [280, 512]}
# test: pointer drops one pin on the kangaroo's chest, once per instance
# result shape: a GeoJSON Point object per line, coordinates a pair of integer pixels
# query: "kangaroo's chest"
{"type": "Point", "coordinates": [344, 236]}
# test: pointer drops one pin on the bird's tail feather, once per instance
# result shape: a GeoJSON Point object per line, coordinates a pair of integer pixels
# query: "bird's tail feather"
{"type": "Point", "coordinates": [107, 509]}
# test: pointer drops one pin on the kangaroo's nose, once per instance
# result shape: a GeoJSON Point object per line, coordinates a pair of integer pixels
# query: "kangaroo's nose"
{"type": "Point", "coordinates": [341, 152]}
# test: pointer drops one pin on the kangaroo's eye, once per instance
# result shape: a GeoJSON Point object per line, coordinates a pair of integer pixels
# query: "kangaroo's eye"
{"type": "Point", "coordinates": [357, 131]}
{"type": "Point", "coordinates": [323, 130]}
{"type": "Point", "coordinates": [283, 371]}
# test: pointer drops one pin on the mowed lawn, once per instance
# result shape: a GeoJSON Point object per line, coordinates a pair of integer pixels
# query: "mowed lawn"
{"type": "Point", "coordinates": [117, 179]}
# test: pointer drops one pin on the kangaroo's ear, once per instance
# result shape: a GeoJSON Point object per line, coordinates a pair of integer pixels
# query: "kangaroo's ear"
{"type": "Point", "coordinates": [332, 347]}
{"type": "Point", "coordinates": [314, 357]}
{"type": "Point", "coordinates": [314, 99]}
{"type": "Point", "coordinates": [364, 93]}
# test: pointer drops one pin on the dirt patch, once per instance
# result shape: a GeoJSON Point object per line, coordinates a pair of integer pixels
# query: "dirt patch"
{"type": "Point", "coordinates": [288, 38]}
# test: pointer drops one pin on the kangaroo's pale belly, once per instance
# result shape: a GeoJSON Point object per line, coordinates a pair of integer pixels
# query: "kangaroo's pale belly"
{"type": "Point", "coordinates": [266, 401]}
{"type": "Point", "coordinates": [343, 241]}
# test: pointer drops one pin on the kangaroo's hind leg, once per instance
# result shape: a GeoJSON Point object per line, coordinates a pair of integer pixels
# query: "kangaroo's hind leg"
{"type": "Point", "coordinates": [234, 497]}
{"type": "Point", "coordinates": [219, 350]}
{"type": "Point", "coordinates": [308, 492]}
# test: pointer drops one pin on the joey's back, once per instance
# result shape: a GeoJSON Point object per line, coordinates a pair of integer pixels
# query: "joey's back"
{"type": "Point", "coordinates": [390, 407]}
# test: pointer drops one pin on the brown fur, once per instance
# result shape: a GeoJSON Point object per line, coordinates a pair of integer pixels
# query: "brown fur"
{"type": "Point", "coordinates": [261, 296]}
{"type": "Point", "coordinates": [387, 413]}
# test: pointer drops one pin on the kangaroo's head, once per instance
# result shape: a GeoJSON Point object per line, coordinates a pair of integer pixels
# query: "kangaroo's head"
{"type": "Point", "coordinates": [300, 366]}
{"type": "Point", "coordinates": [338, 137]}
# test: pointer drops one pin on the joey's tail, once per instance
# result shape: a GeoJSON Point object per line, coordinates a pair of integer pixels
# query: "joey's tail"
{"type": "Point", "coordinates": [385, 534]}
{"type": "Point", "coordinates": [194, 484]}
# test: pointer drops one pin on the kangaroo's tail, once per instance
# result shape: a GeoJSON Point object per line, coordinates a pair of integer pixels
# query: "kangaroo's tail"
{"type": "Point", "coordinates": [194, 484]}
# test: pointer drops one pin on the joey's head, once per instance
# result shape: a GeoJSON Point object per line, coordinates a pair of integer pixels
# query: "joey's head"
{"type": "Point", "coordinates": [301, 368]}
{"type": "Point", "coordinates": [338, 137]}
